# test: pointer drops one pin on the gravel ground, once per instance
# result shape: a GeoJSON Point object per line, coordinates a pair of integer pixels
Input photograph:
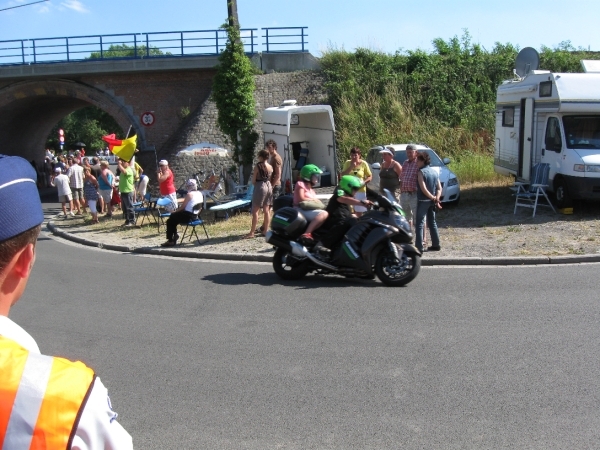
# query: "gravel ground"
{"type": "Point", "coordinates": [482, 225]}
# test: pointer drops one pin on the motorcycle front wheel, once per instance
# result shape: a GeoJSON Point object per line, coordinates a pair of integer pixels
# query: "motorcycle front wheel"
{"type": "Point", "coordinates": [397, 272]}
{"type": "Point", "coordinates": [288, 266]}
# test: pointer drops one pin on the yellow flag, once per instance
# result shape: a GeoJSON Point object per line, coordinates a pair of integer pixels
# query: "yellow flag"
{"type": "Point", "coordinates": [126, 150]}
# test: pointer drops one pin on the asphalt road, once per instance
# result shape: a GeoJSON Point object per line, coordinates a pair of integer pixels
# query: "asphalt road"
{"type": "Point", "coordinates": [217, 355]}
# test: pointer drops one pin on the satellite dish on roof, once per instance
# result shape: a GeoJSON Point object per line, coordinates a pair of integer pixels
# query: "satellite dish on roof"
{"type": "Point", "coordinates": [528, 59]}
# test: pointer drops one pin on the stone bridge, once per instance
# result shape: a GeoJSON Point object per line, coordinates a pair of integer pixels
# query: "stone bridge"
{"type": "Point", "coordinates": [33, 98]}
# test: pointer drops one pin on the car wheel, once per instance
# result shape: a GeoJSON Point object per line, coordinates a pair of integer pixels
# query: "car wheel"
{"type": "Point", "coordinates": [563, 199]}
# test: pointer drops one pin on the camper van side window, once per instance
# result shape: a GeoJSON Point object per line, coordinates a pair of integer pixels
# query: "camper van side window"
{"type": "Point", "coordinates": [553, 140]}
{"type": "Point", "coordinates": [508, 117]}
{"type": "Point", "coordinates": [546, 89]}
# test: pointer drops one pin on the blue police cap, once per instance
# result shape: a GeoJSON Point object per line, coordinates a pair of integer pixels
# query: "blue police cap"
{"type": "Point", "coordinates": [20, 205]}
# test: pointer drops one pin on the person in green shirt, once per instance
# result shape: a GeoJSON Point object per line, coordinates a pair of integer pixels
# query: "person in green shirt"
{"type": "Point", "coordinates": [126, 188]}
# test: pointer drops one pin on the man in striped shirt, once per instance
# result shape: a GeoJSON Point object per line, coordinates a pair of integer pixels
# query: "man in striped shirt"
{"type": "Point", "coordinates": [408, 195]}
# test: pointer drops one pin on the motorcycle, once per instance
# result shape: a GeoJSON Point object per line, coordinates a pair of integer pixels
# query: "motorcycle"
{"type": "Point", "coordinates": [380, 243]}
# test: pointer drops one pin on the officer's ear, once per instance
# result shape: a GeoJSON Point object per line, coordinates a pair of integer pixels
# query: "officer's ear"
{"type": "Point", "coordinates": [23, 261]}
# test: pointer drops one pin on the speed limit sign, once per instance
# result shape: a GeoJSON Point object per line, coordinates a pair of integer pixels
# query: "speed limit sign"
{"type": "Point", "coordinates": [147, 119]}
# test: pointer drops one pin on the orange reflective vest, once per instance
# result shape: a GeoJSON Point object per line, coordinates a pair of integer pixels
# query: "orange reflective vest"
{"type": "Point", "coordinates": [41, 398]}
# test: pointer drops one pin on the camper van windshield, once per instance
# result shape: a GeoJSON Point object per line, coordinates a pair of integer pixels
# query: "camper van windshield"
{"type": "Point", "coordinates": [582, 131]}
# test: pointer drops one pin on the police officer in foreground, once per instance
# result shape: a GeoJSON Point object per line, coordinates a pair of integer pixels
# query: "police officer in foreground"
{"type": "Point", "coordinates": [45, 402]}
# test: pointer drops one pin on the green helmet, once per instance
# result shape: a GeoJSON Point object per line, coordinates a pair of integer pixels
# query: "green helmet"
{"type": "Point", "coordinates": [308, 171]}
{"type": "Point", "coordinates": [350, 182]}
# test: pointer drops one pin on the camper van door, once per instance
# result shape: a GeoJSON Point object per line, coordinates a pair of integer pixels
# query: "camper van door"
{"type": "Point", "coordinates": [553, 145]}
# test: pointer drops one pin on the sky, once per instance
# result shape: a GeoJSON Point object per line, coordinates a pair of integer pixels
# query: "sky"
{"type": "Point", "coordinates": [381, 25]}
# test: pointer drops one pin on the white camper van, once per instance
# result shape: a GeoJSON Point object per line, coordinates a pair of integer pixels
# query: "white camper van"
{"type": "Point", "coordinates": [551, 118]}
{"type": "Point", "coordinates": [304, 135]}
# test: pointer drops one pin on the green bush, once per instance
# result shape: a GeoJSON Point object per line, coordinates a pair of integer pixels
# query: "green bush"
{"type": "Point", "coordinates": [445, 98]}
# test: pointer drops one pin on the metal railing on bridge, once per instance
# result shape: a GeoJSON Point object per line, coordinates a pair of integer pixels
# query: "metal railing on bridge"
{"type": "Point", "coordinates": [147, 45]}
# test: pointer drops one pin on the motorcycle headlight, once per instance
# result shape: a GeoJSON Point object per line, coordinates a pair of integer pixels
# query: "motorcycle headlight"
{"type": "Point", "coordinates": [401, 222]}
{"type": "Point", "coordinates": [452, 181]}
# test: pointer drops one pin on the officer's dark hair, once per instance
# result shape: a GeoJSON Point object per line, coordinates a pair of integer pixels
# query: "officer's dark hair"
{"type": "Point", "coordinates": [10, 247]}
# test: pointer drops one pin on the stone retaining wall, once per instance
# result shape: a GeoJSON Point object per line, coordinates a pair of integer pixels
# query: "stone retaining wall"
{"type": "Point", "coordinates": [201, 125]}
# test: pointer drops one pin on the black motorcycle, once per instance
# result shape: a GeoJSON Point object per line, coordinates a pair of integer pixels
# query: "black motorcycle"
{"type": "Point", "coordinates": [379, 243]}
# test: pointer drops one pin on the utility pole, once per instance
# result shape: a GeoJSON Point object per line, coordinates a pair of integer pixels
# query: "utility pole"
{"type": "Point", "coordinates": [232, 14]}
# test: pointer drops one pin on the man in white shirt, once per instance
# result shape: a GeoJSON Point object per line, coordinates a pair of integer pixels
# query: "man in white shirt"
{"type": "Point", "coordinates": [61, 181]}
{"type": "Point", "coordinates": [47, 402]}
{"type": "Point", "coordinates": [75, 174]}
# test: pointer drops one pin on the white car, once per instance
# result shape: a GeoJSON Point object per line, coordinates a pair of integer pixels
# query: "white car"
{"type": "Point", "coordinates": [450, 185]}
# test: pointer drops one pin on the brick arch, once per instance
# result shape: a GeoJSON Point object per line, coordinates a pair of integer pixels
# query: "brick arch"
{"type": "Point", "coordinates": [29, 110]}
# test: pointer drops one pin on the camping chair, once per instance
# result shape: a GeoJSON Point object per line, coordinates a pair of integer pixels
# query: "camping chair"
{"type": "Point", "coordinates": [161, 214]}
{"type": "Point", "coordinates": [143, 208]}
{"type": "Point", "coordinates": [194, 222]}
{"type": "Point", "coordinates": [210, 188]}
{"type": "Point", "coordinates": [235, 205]}
{"type": "Point", "coordinates": [530, 196]}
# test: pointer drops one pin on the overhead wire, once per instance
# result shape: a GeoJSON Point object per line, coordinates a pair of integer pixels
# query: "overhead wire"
{"type": "Point", "coordinates": [26, 4]}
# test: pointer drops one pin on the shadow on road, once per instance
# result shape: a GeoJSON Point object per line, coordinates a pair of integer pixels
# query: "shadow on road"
{"type": "Point", "coordinates": [270, 279]}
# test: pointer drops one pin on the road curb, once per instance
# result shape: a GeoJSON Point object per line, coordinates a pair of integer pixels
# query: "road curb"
{"type": "Point", "coordinates": [157, 251]}
{"type": "Point", "coordinates": [253, 257]}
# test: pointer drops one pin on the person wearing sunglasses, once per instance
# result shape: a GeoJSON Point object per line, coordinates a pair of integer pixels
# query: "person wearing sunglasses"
{"type": "Point", "coordinates": [357, 167]}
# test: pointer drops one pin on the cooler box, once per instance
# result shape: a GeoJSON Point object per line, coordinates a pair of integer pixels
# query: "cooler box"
{"type": "Point", "coordinates": [324, 179]}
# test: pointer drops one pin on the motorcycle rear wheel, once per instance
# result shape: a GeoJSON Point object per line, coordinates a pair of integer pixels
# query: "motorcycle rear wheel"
{"type": "Point", "coordinates": [288, 266]}
{"type": "Point", "coordinates": [393, 272]}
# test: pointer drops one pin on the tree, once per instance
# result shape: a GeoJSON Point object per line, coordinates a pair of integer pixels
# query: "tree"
{"type": "Point", "coordinates": [233, 93]}
{"type": "Point", "coordinates": [86, 125]}
{"type": "Point", "coordinates": [128, 51]}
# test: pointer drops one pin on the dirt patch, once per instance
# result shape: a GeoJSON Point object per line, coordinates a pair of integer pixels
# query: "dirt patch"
{"type": "Point", "coordinates": [484, 224]}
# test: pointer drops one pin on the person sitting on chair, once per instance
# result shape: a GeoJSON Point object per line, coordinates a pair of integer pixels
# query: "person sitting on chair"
{"type": "Point", "coordinates": [184, 213]}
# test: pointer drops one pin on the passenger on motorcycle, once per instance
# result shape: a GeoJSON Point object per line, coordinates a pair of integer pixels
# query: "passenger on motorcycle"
{"type": "Point", "coordinates": [340, 218]}
{"type": "Point", "coordinates": [305, 199]}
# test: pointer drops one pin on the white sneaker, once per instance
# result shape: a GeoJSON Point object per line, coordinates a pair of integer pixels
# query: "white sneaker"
{"type": "Point", "coordinates": [72, 213]}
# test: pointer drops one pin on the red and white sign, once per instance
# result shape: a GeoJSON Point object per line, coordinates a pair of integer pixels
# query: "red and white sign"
{"type": "Point", "coordinates": [204, 149]}
{"type": "Point", "coordinates": [147, 119]}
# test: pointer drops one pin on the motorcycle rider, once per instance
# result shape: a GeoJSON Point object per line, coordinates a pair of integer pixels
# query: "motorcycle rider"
{"type": "Point", "coordinates": [341, 218]}
{"type": "Point", "coordinates": [304, 194]}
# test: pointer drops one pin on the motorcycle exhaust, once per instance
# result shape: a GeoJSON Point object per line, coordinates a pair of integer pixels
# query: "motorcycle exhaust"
{"type": "Point", "coordinates": [300, 250]}
{"type": "Point", "coordinates": [296, 249]}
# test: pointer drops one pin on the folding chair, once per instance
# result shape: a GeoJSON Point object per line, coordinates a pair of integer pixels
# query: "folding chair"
{"type": "Point", "coordinates": [234, 205]}
{"type": "Point", "coordinates": [530, 196]}
{"type": "Point", "coordinates": [143, 208]}
{"type": "Point", "coordinates": [161, 214]}
{"type": "Point", "coordinates": [210, 187]}
{"type": "Point", "coordinates": [194, 222]}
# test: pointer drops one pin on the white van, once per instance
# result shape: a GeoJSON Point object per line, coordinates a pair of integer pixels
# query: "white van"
{"type": "Point", "coordinates": [304, 135]}
{"type": "Point", "coordinates": [551, 118]}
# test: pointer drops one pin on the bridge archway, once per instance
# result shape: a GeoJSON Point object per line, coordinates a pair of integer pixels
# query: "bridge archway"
{"type": "Point", "coordinates": [30, 109]}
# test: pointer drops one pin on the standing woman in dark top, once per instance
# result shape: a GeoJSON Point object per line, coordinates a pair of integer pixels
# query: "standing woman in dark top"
{"type": "Point", "coordinates": [263, 193]}
{"type": "Point", "coordinates": [389, 173]}
{"type": "Point", "coordinates": [429, 192]}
